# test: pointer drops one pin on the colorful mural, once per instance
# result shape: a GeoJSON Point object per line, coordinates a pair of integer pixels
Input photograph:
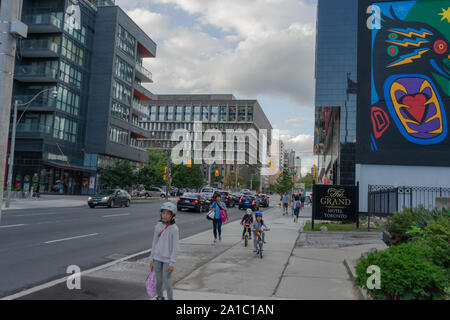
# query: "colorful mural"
{"type": "Point", "coordinates": [405, 48]}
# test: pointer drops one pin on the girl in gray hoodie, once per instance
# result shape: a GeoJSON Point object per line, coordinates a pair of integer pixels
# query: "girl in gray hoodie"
{"type": "Point", "coordinates": [164, 249]}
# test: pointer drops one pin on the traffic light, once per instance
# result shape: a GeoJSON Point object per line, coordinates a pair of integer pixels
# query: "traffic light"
{"type": "Point", "coordinates": [164, 177]}
{"type": "Point", "coordinates": [207, 182]}
{"type": "Point", "coordinates": [314, 171]}
{"type": "Point", "coordinates": [189, 163]}
{"type": "Point", "coordinates": [217, 173]}
{"type": "Point", "coordinates": [280, 173]}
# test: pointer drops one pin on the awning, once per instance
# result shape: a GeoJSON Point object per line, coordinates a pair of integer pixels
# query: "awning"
{"type": "Point", "coordinates": [66, 166]}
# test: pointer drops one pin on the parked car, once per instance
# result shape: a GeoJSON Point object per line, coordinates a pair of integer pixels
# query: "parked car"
{"type": "Point", "coordinates": [208, 192]}
{"type": "Point", "coordinates": [153, 192]}
{"type": "Point", "coordinates": [193, 201]}
{"type": "Point", "coordinates": [110, 198]}
{"type": "Point", "coordinates": [248, 201]}
{"type": "Point", "coordinates": [236, 197]}
{"type": "Point", "coordinates": [226, 197]}
{"type": "Point", "coordinates": [263, 199]}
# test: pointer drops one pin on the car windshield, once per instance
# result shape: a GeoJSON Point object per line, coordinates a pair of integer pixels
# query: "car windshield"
{"type": "Point", "coordinates": [106, 192]}
{"type": "Point", "coordinates": [190, 195]}
{"type": "Point", "coordinates": [208, 190]}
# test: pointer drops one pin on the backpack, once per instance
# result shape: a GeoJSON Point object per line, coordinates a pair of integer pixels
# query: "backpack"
{"type": "Point", "coordinates": [298, 205]}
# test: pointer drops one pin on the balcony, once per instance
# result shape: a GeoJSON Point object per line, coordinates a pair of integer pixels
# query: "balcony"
{"type": "Point", "coordinates": [30, 130]}
{"type": "Point", "coordinates": [43, 23]}
{"type": "Point", "coordinates": [43, 102]}
{"type": "Point", "coordinates": [38, 48]}
{"type": "Point", "coordinates": [141, 92]}
{"type": "Point", "coordinates": [143, 74]}
{"type": "Point", "coordinates": [140, 107]}
{"type": "Point", "coordinates": [36, 73]}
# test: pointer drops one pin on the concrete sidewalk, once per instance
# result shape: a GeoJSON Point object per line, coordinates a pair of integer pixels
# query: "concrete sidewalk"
{"type": "Point", "coordinates": [47, 201]}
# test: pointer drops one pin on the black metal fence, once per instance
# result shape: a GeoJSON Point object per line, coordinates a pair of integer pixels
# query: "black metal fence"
{"type": "Point", "coordinates": [385, 200]}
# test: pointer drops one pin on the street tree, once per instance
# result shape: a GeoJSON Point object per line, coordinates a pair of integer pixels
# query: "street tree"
{"type": "Point", "coordinates": [187, 177]}
{"type": "Point", "coordinates": [122, 174]}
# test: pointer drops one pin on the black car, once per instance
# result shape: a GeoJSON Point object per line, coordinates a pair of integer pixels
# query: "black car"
{"type": "Point", "coordinates": [263, 200]}
{"type": "Point", "coordinates": [193, 201]}
{"type": "Point", "coordinates": [110, 198]}
{"type": "Point", "coordinates": [225, 197]}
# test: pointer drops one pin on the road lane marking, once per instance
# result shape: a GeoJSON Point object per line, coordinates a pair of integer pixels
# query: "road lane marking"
{"type": "Point", "coordinates": [116, 215]}
{"type": "Point", "coordinates": [12, 225]}
{"type": "Point", "coordinates": [71, 238]}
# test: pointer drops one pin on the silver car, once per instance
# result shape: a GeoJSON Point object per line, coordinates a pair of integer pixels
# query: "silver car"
{"type": "Point", "coordinates": [154, 192]}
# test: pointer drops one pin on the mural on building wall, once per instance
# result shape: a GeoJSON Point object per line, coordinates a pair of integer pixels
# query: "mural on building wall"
{"type": "Point", "coordinates": [406, 44]}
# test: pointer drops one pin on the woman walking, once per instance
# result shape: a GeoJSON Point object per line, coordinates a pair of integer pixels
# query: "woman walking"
{"type": "Point", "coordinates": [164, 249]}
{"type": "Point", "coordinates": [217, 206]}
{"type": "Point", "coordinates": [297, 207]}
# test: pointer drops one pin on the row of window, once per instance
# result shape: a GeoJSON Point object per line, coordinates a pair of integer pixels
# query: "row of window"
{"type": "Point", "coordinates": [126, 42]}
{"type": "Point", "coordinates": [121, 92]}
{"type": "Point", "coordinates": [72, 51]}
{"type": "Point", "coordinates": [201, 113]}
{"type": "Point", "coordinates": [70, 75]}
{"type": "Point", "coordinates": [65, 129]}
{"type": "Point", "coordinates": [170, 126]}
{"type": "Point", "coordinates": [68, 101]}
{"type": "Point", "coordinates": [118, 135]}
{"type": "Point", "coordinates": [124, 71]}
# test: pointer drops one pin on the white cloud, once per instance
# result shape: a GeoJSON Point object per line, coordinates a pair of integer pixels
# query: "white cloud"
{"type": "Point", "coordinates": [267, 48]}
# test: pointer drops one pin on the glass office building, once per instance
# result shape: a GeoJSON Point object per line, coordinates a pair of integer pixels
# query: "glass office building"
{"type": "Point", "coordinates": [92, 53]}
{"type": "Point", "coordinates": [335, 73]}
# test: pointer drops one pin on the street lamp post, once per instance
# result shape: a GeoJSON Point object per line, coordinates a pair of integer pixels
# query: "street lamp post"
{"type": "Point", "coordinates": [13, 139]}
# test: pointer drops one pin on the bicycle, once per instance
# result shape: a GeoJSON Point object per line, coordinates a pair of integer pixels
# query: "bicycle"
{"type": "Point", "coordinates": [247, 227]}
{"type": "Point", "coordinates": [259, 243]}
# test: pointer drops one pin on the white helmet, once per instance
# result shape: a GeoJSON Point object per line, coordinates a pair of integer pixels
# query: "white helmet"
{"type": "Point", "coordinates": [169, 206]}
{"type": "Point", "coordinates": [249, 211]}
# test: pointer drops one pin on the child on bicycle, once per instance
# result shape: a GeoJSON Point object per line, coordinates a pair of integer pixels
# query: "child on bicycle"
{"type": "Point", "coordinates": [247, 220]}
{"type": "Point", "coordinates": [258, 226]}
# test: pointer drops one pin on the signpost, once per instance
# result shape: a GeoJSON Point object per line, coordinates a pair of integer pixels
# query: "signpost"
{"type": "Point", "coordinates": [335, 203]}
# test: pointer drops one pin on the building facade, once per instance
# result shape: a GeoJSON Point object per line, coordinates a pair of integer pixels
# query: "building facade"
{"type": "Point", "coordinates": [221, 112]}
{"type": "Point", "coordinates": [336, 74]}
{"type": "Point", "coordinates": [91, 52]}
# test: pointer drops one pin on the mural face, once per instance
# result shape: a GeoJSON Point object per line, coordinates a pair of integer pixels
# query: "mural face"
{"type": "Point", "coordinates": [404, 82]}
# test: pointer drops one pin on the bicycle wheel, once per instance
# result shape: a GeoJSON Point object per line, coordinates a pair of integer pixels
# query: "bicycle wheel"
{"type": "Point", "coordinates": [246, 240]}
{"type": "Point", "coordinates": [260, 250]}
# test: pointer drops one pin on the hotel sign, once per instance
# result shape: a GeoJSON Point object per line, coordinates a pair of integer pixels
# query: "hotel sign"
{"type": "Point", "coordinates": [335, 203]}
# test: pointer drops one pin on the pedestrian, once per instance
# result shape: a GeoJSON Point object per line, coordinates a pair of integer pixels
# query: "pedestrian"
{"type": "Point", "coordinates": [302, 200]}
{"type": "Point", "coordinates": [292, 203]}
{"type": "Point", "coordinates": [164, 250]}
{"type": "Point", "coordinates": [297, 206]}
{"type": "Point", "coordinates": [285, 203]}
{"type": "Point", "coordinates": [217, 206]}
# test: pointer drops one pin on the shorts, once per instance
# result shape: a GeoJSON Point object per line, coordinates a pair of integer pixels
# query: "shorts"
{"type": "Point", "coordinates": [285, 205]}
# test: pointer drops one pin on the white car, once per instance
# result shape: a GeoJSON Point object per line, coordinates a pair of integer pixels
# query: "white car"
{"type": "Point", "coordinates": [207, 192]}
{"type": "Point", "coordinates": [154, 192]}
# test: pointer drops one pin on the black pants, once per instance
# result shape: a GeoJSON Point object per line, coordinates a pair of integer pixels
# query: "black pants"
{"type": "Point", "coordinates": [217, 226]}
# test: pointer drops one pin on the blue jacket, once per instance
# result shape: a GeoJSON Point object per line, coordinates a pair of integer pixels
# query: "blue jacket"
{"type": "Point", "coordinates": [217, 209]}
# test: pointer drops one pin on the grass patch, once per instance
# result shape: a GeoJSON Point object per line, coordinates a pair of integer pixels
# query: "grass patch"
{"type": "Point", "coordinates": [341, 227]}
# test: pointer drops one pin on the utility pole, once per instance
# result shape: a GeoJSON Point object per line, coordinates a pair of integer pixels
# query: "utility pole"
{"type": "Point", "coordinates": [10, 11]}
{"type": "Point", "coordinates": [168, 175]}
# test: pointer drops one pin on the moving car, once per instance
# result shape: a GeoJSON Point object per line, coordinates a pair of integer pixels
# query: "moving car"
{"type": "Point", "coordinates": [226, 197]}
{"type": "Point", "coordinates": [193, 201]}
{"type": "Point", "coordinates": [248, 201]}
{"type": "Point", "coordinates": [153, 192]}
{"type": "Point", "coordinates": [208, 192]}
{"type": "Point", "coordinates": [263, 199]}
{"type": "Point", "coordinates": [110, 198]}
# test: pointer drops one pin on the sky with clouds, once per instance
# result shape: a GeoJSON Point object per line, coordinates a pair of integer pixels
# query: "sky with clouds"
{"type": "Point", "coordinates": [254, 49]}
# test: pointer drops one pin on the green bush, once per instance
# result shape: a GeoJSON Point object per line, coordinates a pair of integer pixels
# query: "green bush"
{"type": "Point", "coordinates": [437, 237]}
{"type": "Point", "coordinates": [401, 222]}
{"type": "Point", "coordinates": [406, 273]}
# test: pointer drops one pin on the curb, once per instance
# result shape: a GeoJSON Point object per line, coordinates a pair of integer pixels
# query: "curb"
{"type": "Point", "coordinates": [361, 292]}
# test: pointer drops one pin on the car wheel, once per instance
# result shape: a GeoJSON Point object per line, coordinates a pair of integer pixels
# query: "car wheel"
{"type": "Point", "coordinates": [179, 209]}
{"type": "Point", "coordinates": [111, 204]}
{"type": "Point", "coordinates": [163, 195]}
{"type": "Point", "coordinates": [128, 203]}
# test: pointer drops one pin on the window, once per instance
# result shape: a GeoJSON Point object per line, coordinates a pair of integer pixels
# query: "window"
{"type": "Point", "coordinates": [70, 75]}
{"type": "Point", "coordinates": [72, 27]}
{"type": "Point", "coordinates": [223, 113]}
{"type": "Point", "coordinates": [214, 113]}
{"type": "Point", "coordinates": [72, 51]}
{"type": "Point", "coordinates": [196, 113]}
{"type": "Point", "coordinates": [152, 113]}
{"type": "Point", "coordinates": [68, 101]}
{"type": "Point", "coordinates": [120, 111]}
{"type": "Point", "coordinates": [121, 92]}
{"type": "Point", "coordinates": [118, 135]}
{"type": "Point", "coordinates": [65, 129]}
{"type": "Point", "coordinates": [126, 42]}
{"type": "Point", "coordinates": [161, 113]}
{"type": "Point", "coordinates": [170, 113]}
{"type": "Point", "coordinates": [187, 113]}
{"type": "Point", "coordinates": [205, 113]}
{"type": "Point", "coordinates": [241, 115]}
{"type": "Point", "coordinates": [179, 113]}
{"type": "Point", "coordinates": [232, 113]}
{"type": "Point", "coordinates": [250, 113]}
{"type": "Point", "coordinates": [124, 71]}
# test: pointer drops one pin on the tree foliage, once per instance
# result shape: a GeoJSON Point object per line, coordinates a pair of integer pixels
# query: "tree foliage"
{"type": "Point", "coordinates": [184, 177]}
{"type": "Point", "coordinates": [122, 175]}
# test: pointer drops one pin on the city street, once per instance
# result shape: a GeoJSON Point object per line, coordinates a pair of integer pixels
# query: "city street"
{"type": "Point", "coordinates": [37, 246]}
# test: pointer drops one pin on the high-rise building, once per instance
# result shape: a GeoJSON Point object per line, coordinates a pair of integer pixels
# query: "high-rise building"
{"type": "Point", "coordinates": [215, 111]}
{"type": "Point", "coordinates": [336, 74]}
{"type": "Point", "coordinates": [92, 52]}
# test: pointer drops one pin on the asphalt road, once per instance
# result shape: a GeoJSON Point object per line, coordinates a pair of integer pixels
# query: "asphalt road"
{"type": "Point", "coordinates": [37, 246]}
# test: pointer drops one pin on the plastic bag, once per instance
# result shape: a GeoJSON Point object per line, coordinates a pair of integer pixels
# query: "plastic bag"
{"type": "Point", "coordinates": [151, 284]}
